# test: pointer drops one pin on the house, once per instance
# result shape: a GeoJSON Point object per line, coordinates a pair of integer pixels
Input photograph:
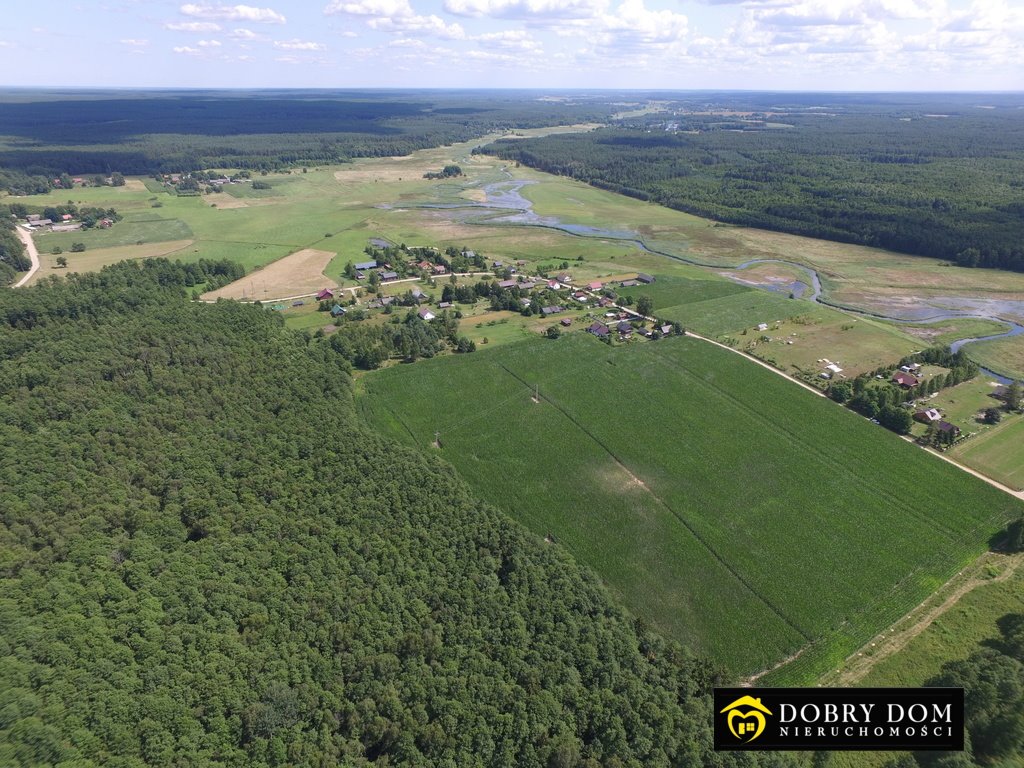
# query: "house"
{"type": "Point", "coordinates": [424, 265]}
{"type": "Point", "coordinates": [581, 296]}
{"type": "Point", "coordinates": [469, 254]}
{"type": "Point", "coordinates": [388, 276]}
{"type": "Point", "coordinates": [646, 333]}
{"type": "Point", "coordinates": [644, 278]}
{"type": "Point", "coordinates": [946, 428]}
{"type": "Point", "coordinates": [629, 283]}
{"type": "Point", "coordinates": [498, 264]}
{"type": "Point", "coordinates": [337, 310]}
{"type": "Point", "coordinates": [928, 416]}
{"type": "Point", "coordinates": [527, 285]}
{"type": "Point", "coordinates": [603, 302]}
{"type": "Point", "coordinates": [66, 217]}
{"type": "Point", "coordinates": [598, 329]}
{"type": "Point", "coordinates": [566, 321]}
{"type": "Point", "coordinates": [912, 368]}
{"type": "Point", "coordinates": [507, 284]}
{"type": "Point", "coordinates": [525, 302]}
{"type": "Point", "coordinates": [554, 285]}
{"type": "Point", "coordinates": [665, 330]}
{"type": "Point", "coordinates": [445, 305]}
{"type": "Point", "coordinates": [624, 327]}
{"type": "Point", "coordinates": [565, 278]}
{"type": "Point", "coordinates": [833, 368]}
{"type": "Point", "coordinates": [904, 379]}
{"type": "Point", "coordinates": [546, 311]}
{"type": "Point", "coordinates": [106, 223]}
{"type": "Point", "coordinates": [594, 286]}
{"type": "Point", "coordinates": [33, 217]}
{"type": "Point", "coordinates": [417, 294]}
{"type": "Point", "coordinates": [762, 326]}
{"type": "Point", "coordinates": [439, 269]}
{"type": "Point", "coordinates": [40, 223]}
{"type": "Point", "coordinates": [325, 294]}
{"type": "Point", "coordinates": [365, 265]}
{"type": "Point", "coordinates": [426, 314]}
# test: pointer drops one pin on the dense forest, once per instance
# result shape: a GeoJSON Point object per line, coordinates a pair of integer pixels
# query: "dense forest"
{"type": "Point", "coordinates": [944, 185]}
{"type": "Point", "coordinates": [43, 135]}
{"type": "Point", "coordinates": [13, 258]}
{"type": "Point", "coordinates": [205, 559]}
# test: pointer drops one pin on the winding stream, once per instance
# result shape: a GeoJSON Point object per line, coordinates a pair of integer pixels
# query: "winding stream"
{"type": "Point", "coordinates": [504, 205]}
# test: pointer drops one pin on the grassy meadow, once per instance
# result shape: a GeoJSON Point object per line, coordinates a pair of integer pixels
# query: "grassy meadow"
{"type": "Point", "coordinates": [709, 494]}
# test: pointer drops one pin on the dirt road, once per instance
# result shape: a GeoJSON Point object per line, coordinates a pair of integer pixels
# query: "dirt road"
{"type": "Point", "coordinates": [33, 255]}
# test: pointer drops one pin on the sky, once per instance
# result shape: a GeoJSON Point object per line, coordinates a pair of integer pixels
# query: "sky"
{"type": "Point", "coordinates": [868, 45]}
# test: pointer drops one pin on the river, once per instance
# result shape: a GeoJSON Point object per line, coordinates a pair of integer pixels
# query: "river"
{"type": "Point", "coordinates": [505, 205]}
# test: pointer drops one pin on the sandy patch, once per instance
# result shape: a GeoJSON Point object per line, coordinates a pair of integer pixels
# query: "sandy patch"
{"type": "Point", "coordinates": [135, 185]}
{"type": "Point", "coordinates": [295, 275]}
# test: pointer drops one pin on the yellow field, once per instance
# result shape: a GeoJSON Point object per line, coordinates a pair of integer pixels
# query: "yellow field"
{"type": "Point", "coordinates": [92, 260]}
{"type": "Point", "coordinates": [295, 275]}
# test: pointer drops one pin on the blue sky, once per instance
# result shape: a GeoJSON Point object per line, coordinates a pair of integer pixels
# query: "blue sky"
{"type": "Point", "coordinates": [684, 44]}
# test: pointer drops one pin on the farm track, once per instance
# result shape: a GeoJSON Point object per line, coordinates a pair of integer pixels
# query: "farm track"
{"type": "Point", "coordinates": [33, 256]}
{"type": "Point", "coordinates": [896, 637]}
{"type": "Point", "coordinates": [713, 552]}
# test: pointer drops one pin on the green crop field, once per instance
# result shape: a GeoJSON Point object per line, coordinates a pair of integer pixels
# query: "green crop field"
{"type": "Point", "coordinates": [670, 291]}
{"type": "Point", "coordinates": [998, 453]}
{"type": "Point", "coordinates": [734, 312]}
{"type": "Point", "coordinates": [717, 501]}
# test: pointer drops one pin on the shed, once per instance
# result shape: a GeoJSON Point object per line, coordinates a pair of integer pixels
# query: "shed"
{"type": "Point", "coordinates": [389, 276]}
{"type": "Point", "coordinates": [364, 265]}
{"type": "Point", "coordinates": [645, 278]}
{"type": "Point", "coordinates": [546, 311]}
{"type": "Point", "coordinates": [566, 321]}
{"type": "Point", "coordinates": [326, 293]}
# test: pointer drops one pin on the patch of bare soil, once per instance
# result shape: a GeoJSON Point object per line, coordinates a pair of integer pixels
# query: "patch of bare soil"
{"type": "Point", "coordinates": [295, 275]}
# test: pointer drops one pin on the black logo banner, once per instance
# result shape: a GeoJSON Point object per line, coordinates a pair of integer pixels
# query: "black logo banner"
{"type": "Point", "coordinates": [839, 718]}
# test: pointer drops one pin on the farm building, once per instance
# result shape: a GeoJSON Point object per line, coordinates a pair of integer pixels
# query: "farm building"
{"type": "Point", "coordinates": [762, 326]}
{"type": "Point", "coordinates": [444, 305]}
{"type": "Point", "coordinates": [426, 314]}
{"type": "Point", "coordinates": [417, 294]}
{"type": "Point", "coordinates": [629, 283]}
{"type": "Point", "coordinates": [365, 265]}
{"type": "Point", "coordinates": [389, 276]}
{"type": "Point", "coordinates": [439, 269]}
{"type": "Point", "coordinates": [928, 415]}
{"type": "Point", "coordinates": [326, 293]}
{"type": "Point", "coordinates": [554, 285]}
{"type": "Point", "coordinates": [546, 311]}
{"type": "Point", "coordinates": [598, 329]}
{"type": "Point", "coordinates": [566, 321]}
{"type": "Point", "coordinates": [507, 284]}
{"type": "Point", "coordinates": [645, 278]}
{"type": "Point", "coordinates": [833, 368]}
{"type": "Point", "coordinates": [565, 278]}
{"type": "Point", "coordinates": [665, 330]}
{"type": "Point", "coordinates": [904, 379]}
{"type": "Point", "coordinates": [595, 285]}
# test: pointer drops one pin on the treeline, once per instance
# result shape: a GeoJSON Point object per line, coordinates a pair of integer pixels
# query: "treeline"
{"type": "Point", "coordinates": [946, 188]}
{"type": "Point", "coordinates": [13, 258]}
{"type": "Point", "coordinates": [208, 560]}
{"type": "Point", "coordinates": [173, 133]}
{"type": "Point", "coordinates": [409, 338]}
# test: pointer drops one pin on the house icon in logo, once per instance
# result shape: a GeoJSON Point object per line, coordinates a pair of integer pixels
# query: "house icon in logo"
{"type": "Point", "coordinates": [746, 719]}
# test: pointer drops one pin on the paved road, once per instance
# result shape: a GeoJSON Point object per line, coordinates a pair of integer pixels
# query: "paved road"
{"type": "Point", "coordinates": [33, 255]}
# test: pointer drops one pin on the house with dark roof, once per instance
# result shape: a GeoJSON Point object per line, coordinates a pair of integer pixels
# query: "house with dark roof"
{"type": "Point", "coordinates": [948, 429]}
{"type": "Point", "coordinates": [629, 283]}
{"type": "Point", "coordinates": [365, 265]}
{"type": "Point", "coordinates": [665, 330]}
{"type": "Point", "coordinates": [444, 305]}
{"type": "Point", "coordinates": [598, 329]}
{"type": "Point", "coordinates": [507, 284]}
{"type": "Point", "coordinates": [624, 327]}
{"type": "Point", "coordinates": [906, 380]}
{"type": "Point", "coordinates": [337, 310]}
{"type": "Point", "coordinates": [928, 415]}
{"type": "Point", "coordinates": [644, 278]}
{"type": "Point", "coordinates": [389, 276]}
{"type": "Point", "coordinates": [417, 294]}
{"type": "Point", "coordinates": [546, 311]}
{"type": "Point", "coordinates": [566, 321]}
{"type": "Point", "coordinates": [326, 293]}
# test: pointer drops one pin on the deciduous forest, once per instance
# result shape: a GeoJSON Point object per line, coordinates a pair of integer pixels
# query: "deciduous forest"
{"type": "Point", "coordinates": [205, 558]}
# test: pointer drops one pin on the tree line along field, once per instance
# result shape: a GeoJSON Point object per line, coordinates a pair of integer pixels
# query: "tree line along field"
{"type": "Point", "coordinates": [740, 516]}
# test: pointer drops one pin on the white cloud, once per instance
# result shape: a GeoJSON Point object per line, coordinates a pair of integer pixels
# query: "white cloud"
{"type": "Point", "coordinates": [233, 13]}
{"type": "Point", "coordinates": [192, 26]}
{"type": "Point", "coordinates": [396, 16]}
{"type": "Point", "coordinates": [532, 10]}
{"type": "Point", "coordinates": [131, 41]}
{"type": "Point", "coordinates": [243, 34]}
{"type": "Point", "coordinates": [209, 43]}
{"type": "Point", "coordinates": [184, 49]}
{"type": "Point", "coordinates": [509, 39]}
{"type": "Point", "coordinates": [298, 45]}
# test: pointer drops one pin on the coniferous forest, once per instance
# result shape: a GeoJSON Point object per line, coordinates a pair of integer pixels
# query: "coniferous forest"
{"type": "Point", "coordinates": [205, 559]}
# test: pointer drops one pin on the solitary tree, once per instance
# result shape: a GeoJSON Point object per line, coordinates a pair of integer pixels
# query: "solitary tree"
{"type": "Point", "coordinates": [1013, 396]}
{"type": "Point", "coordinates": [644, 305]}
{"type": "Point", "coordinates": [62, 261]}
